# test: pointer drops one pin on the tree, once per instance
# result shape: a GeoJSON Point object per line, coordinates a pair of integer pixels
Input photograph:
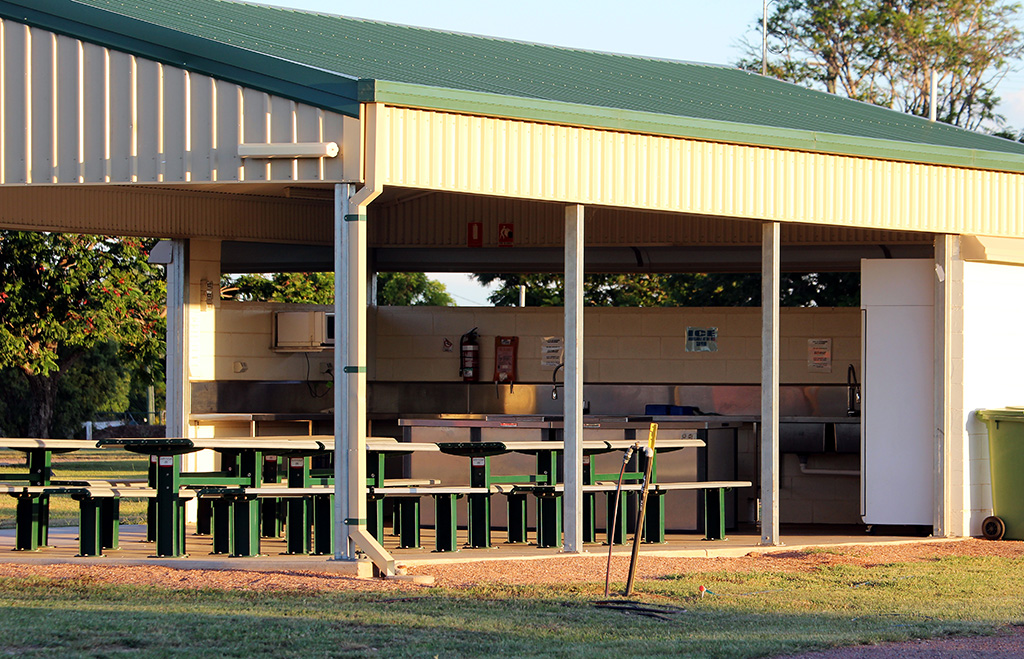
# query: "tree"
{"type": "Point", "coordinates": [832, 289]}
{"type": "Point", "coordinates": [884, 52]}
{"type": "Point", "coordinates": [393, 288]}
{"type": "Point", "coordinates": [63, 296]}
{"type": "Point", "coordinates": [405, 289]}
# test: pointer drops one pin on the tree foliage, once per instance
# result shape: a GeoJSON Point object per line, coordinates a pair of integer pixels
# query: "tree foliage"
{"type": "Point", "coordinates": [65, 297]}
{"type": "Point", "coordinates": [833, 289]}
{"type": "Point", "coordinates": [884, 52]}
{"type": "Point", "coordinates": [393, 288]}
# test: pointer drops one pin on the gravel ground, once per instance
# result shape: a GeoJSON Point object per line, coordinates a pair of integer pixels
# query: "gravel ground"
{"type": "Point", "coordinates": [1010, 643]}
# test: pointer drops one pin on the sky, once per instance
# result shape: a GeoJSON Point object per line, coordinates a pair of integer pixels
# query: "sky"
{"type": "Point", "coordinates": [690, 30]}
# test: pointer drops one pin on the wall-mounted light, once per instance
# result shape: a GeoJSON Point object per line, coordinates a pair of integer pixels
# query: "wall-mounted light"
{"type": "Point", "coordinates": [289, 150]}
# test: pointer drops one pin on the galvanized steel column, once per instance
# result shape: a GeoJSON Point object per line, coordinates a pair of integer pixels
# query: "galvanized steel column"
{"type": "Point", "coordinates": [946, 250]}
{"type": "Point", "coordinates": [573, 405]}
{"type": "Point", "coordinates": [178, 391]}
{"type": "Point", "coordinates": [770, 272]}
{"type": "Point", "coordinates": [350, 372]}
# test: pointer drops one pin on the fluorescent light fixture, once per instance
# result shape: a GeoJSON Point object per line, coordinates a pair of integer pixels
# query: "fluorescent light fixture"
{"type": "Point", "coordinates": [289, 150]}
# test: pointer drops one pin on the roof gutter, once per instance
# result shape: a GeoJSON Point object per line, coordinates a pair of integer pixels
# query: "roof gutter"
{"type": "Point", "coordinates": [274, 75]}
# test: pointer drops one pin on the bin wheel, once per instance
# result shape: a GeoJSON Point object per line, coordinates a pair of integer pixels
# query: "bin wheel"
{"type": "Point", "coordinates": [993, 528]}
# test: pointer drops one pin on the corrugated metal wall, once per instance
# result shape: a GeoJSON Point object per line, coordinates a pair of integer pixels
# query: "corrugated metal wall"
{"type": "Point", "coordinates": [480, 155]}
{"type": "Point", "coordinates": [437, 219]}
{"type": "Point", "coordinates": [74, 112]}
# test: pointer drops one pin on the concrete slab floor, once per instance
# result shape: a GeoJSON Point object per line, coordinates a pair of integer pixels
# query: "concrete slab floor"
{"type": "Point", "coordinates": [134, 550]}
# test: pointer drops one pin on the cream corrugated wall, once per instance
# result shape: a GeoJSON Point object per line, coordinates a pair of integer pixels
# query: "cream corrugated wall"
{"type": "Point", "coordinates": [508, 158]}
{"type": "Point", "coordinates": [74, 112]}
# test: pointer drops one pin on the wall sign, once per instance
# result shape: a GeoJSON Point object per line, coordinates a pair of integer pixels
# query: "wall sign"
{"type": "Point", "coordinates": [506, 234]}
{"type": "Point", "coordinates": [701, 339]}
{"type": "Point", "coordinates": [819, 355]}
{"type": "Point", "coordinates": [551, 348]}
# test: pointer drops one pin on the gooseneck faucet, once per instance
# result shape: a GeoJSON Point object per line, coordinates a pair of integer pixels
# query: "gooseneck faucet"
{"type": "Point", "coordinates": [554, 382]}
{"type": "Point", "coordinates": [852, 391]}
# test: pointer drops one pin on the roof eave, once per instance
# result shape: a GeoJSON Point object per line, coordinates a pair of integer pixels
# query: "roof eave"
{"type": "Point", "coordinates": [530, 109]}
{"type": "Point", "coordinates": [298, 82]}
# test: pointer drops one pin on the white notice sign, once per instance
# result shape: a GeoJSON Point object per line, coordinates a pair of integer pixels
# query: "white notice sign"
{"type": "Point", "coordinates": [551, 348]}
{"type": "Point", "coordinates": [819, 355]}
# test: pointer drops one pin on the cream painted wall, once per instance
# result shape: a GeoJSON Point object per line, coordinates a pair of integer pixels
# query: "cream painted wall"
{"type": "Point", "coordinates": [621, 345]}
{"type": "Point", "coordinates": [993, 361]}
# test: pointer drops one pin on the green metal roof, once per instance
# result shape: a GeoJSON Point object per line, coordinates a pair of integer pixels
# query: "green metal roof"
{"type": "Point", "coordinates": [315, 58]}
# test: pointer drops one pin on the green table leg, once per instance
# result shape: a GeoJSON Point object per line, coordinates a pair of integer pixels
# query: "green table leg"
{"type": "Point", "coordinates": [445, 538]}
{"type": "Point", "coordinates": [170, 508]}
{"type": "Point", "coordinates": [375, 517]}
{"type": "Point", "coordinates": [204, 517]}
{"type": "Point", "coordinates": [479, 505]}
{"type": "Point", "coordinates": [298, 510]}
{"type": "Point", "coordinates": [151, 503]}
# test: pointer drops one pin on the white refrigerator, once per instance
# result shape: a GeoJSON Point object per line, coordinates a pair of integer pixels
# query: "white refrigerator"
{"type": "Point", "coordinates": [897, 399]}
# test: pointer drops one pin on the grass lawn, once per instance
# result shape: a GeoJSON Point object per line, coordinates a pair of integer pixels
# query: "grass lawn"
{"type": "Point", "coordinates": [85, 464]}
{"type": "Point", "coordinates": [745, 615]}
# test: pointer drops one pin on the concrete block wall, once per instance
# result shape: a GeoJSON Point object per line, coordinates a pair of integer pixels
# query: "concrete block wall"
{"type": "Point", "coordinates": [620, 345]}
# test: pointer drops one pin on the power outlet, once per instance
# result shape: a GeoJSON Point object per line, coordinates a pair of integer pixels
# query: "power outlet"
{"type": "Point", "coordinates": [326, 367]}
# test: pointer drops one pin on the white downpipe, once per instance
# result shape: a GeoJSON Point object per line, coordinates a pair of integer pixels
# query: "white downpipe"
{"type": "Point", "coordinates": [350, 360]}
{"type": "Point", "coordinates": [770, 273]}
{"type": "Point", "coordinates": [572, 520]}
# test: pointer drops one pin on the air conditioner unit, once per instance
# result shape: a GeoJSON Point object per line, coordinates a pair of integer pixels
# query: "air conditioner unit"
{"type": "Point", "coordinates": [299, 330]}
{"type": "Point", "coordinates": [329, 328]}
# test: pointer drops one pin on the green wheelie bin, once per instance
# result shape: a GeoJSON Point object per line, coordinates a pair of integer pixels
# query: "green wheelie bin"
{"type": "Point", "coordinates": [1006, 459]}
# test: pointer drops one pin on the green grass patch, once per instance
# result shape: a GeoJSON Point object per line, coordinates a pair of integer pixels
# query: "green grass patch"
{"type": "Point", "coordinates": [77, 465]}
{"type": "Point", "coordinates": [746, 615]}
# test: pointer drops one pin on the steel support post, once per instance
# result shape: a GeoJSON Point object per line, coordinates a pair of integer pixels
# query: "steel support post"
{"type": "Point", "coordinates": [770, 274]}
{"type": "Point", "coordinates": [573, 406]}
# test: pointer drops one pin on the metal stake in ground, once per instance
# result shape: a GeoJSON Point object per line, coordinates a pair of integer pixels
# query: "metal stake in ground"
{"type": "Point", "coordinates": [649, 453]}
{"type": "Point", "coordinates": [615, 516]}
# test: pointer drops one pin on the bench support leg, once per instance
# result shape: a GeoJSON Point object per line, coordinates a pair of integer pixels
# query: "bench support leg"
{"type": "Point", "coordinates": [619, 532]}
{"type": "Point", "coordinates": [549, 521]}
{"type": "Point", "coordinates": [714, 514]}
{"type": "Point", "coordinates": [479, 520]}
{"type": "Point", "coordinates": [589, 517]}
{"type": "Point", "coordinates": [445, 529]}
{"type": "Point", "coordinates": [30, 516]}
{"type": "Point", "coordinates": [245, 528]}
{"type": "Point", "coordinates": [375, 517]}
{"type": "Point", "coordinates": [323, 525]}
{"type": "Point", "coordinates": [110, 523]}
{"type": "Point", "coordinates": [204, 517]}
{"type": "Point", "coordinates": [221, 519]}
{"type": "Point", "coordinates": [516, 518]}
{"type": "Point", "coordinates": [654, 518]}
{"type": "Point", "coordinates": [409, 514]}
{"type": "Point", "coordinates": [90, 529]}
{"type": "Point", "coordinates": [297, 525]}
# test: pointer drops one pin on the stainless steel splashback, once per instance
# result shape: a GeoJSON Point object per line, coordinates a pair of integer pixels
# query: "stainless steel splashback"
{"type": "Point", "coordinates": [395, 398]}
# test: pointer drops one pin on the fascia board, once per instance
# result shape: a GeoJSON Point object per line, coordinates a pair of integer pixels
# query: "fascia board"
{"type": "Point", "coordinates": [529, 109]}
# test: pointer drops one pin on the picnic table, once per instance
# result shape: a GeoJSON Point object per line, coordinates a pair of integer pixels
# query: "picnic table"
{"type": "Point", "coordinates": [549, 509]}
{"type": "Point", "coordinates": [236, 490]}
{"type": "Point", "coordinates": [33, 510]}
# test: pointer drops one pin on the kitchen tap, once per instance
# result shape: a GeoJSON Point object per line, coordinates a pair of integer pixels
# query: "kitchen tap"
{"type": "Point", "coordinates": [852, 392]}
{"type": "Point", "coordinates": [554, 384]}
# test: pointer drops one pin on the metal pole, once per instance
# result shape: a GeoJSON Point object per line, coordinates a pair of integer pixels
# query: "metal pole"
{"type": "Point", "coordinates": [343, 549]}
{"type": "Point", "coordinates": [573, 405]}
{"type": "Point", "coordinates": [764, 38]}
{"type": "Point", "coordinates": [770, 274]}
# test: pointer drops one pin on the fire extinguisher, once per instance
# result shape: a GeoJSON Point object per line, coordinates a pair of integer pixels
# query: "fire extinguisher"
{"type": "Point", "coordinates": [469, 353]}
